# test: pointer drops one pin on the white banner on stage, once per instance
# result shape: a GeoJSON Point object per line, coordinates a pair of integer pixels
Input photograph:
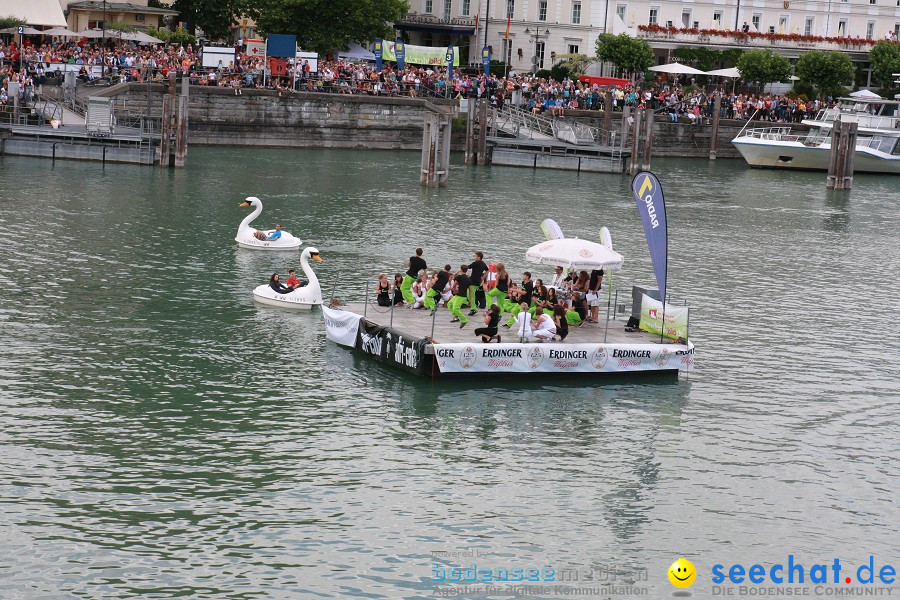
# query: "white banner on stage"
{"type": "Point", "coordinates": [652, 316]}
{"type": "Point", "coordinates": [341, 326]}
{"type": "Point", "coordinates": [562, 358]}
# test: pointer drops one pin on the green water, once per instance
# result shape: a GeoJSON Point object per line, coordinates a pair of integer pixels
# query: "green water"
{"type": "Point", "coordinates": [161, 435]}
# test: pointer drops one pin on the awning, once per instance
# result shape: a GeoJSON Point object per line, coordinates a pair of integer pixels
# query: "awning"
{"type": "Point", "coordinates": [34, 12]}
{"type": "Point", "coordinates": [357, 52]}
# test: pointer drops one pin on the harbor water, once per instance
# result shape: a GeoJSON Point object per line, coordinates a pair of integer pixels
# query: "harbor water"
{"type": "Point", "coordinates": [161, 435]}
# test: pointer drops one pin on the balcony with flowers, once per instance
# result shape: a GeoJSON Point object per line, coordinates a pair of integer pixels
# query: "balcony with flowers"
{"type": "Point", "coordinates": [693, 35]}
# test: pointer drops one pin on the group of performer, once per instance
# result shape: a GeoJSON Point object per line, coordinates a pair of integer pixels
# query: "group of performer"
{"type": "Point", "coordinates": [539, 311]}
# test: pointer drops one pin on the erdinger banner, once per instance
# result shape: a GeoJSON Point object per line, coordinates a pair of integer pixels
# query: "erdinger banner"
{"type": "Point", "coordinates": [562, 358]}
{"type": "Point", "coordinates": [389, 346]}
{"type": "Point", "coordinates": [652, 318]}
{"type": "Point", "coordinates": [341, 326]}
{"type": "Point", "coordinates": [649, 197]}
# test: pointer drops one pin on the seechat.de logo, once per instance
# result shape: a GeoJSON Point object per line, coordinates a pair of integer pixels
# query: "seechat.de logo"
{"type": "Point", "coordinates": [682, 573]}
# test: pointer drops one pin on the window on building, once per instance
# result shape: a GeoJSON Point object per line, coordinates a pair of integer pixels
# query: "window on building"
{"type": "Point", "coordinates": [808, 28]}
{"type": "Point", "coordinates": [771, 29]}
{"type": "Point", "coordinates": [539, 52]}
{"type": "Point", "coordinates": [466, 7]}
{"type": "Point", "coordinates": [620, 11]}
{"type": "Point", "coordinates": [542, 10]}
{"type": "Point", "coordinates": [783, 24]}
{"type": "Point", "coordinates": [429, 7]}
{"type": "Point", "coordinates": [448, 7]}
{"type": "Point", "coordinates": [696, 25]}
{"type": "Point", "coordinates": [870, 30]}
{"type": "Point", "coordinates": [756, 20]}
{"type": "Point", "coordinates": [717, 19]}
{"type": "Point", "coordinates": [842, 27]}
{"type": "Point", "coordinates": [686, 18]}
{"type": "Point", "coordinates": [140, 18]}
{"type": "Point", "coordinates": [872, 1]}
{"type": "Point", "coordinates": [507, 51]}
{"type": "Point", "coordinates": [654, 15]}
{"type": "Point", "coordinates": [573, 48]}
{"type": "Point", "coordinates": [95, 24]}
{"type": "Point", "coordinates": [510, 8]}
{"type": "Point", "coordinates": [576, 13]}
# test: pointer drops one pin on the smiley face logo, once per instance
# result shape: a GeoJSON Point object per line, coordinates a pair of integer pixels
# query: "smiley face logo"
{"type": "Point", "coordinates": [682, 573]}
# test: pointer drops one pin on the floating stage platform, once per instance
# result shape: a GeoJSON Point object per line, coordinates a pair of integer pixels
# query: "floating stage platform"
{"type": "Point", "coordinates": [412, 341]}
{"type": "Point", "coordinates": [125, 145]}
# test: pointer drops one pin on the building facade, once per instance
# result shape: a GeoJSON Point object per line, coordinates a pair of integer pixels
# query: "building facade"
{"type": "Point", "coordinates": [91, 14]}
{"type": "Point", "coordinates": [540, 31]}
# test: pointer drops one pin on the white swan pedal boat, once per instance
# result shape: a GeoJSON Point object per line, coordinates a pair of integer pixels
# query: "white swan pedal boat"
{"type": "Point", "coordinates": [303, 298]}
{"type": "Point", "coordinates": [247, 236]}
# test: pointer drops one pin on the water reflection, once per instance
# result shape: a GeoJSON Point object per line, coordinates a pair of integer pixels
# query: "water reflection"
{"type": "Point", "coordinates": [838, 219]}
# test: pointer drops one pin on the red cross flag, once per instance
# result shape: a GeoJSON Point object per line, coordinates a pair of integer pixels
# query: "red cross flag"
{"type": "Point", "coordinates": [255, 47]}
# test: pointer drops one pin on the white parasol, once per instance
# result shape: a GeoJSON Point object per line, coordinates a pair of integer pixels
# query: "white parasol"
{"type": "Point", "coordinates": [865, 94]}
{"type": "Point", "coordinates": [731, 72]}
{"type": "Point", "coordinates": [61, 32]}
{"type": "Point", "coordinates": [25, 30]}
{"type": "Point", "coordinates": [677, 69]}
{"type": "Point", "coordinates": [575, 254]}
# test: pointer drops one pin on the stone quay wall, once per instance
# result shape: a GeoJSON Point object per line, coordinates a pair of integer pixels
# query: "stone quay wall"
{"type": "Point", "coordinates": [262, 118]}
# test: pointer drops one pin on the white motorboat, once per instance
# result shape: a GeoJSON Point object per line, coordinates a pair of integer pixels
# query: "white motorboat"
{"type": "Point", "coordinates": [257, 239]}
{"type": "Point", "coordinates": [877, 141]}
{"type": "Point", "coordinates": [303, 298]}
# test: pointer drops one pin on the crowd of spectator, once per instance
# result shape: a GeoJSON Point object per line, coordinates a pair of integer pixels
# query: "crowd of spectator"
{"type": "Point", "coordinates": [125, 61]}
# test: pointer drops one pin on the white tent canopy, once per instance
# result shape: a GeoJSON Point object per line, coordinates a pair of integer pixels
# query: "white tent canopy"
{"type": "Point", "coordinates": [25, 30]}
{"type": "Point", "coordinates": [141, 38]}
{"type": "Point", "coordinates": [865, 94]}
{"type": "Point", "coordinates": [731, 72]}
{"type": "Point", "coordinates": [677, 69]}
{"type": "Point", "coordinates": [96, 33]}
{"type": "Point", "coordinates": [574, 253]}
{"type": "Point", "coordinates": [61, 32]}
{"type": "Point", "coordinates": [34, 12]}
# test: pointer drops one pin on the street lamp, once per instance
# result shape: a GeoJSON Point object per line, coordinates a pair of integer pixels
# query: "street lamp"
{"type": "Point", "coordinates": [536, 36]}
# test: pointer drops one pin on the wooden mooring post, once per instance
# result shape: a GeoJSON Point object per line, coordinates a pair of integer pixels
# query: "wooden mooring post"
{"type": "Point", "coordinates": [435, 149]}
{"type": "Point", "coordinates": [181, 128]}
{"type": "Point", "coordinates": [482, 130]}
{"type": "Point", "coordinates": [471, 145]}
{"type": "Point", "coordinates": [634, 165]}
{"type": "Point", "coordinates": [843, 150]}
{"type": "Point", "coordinates": [607, 111]}
{"type": "Point", "coordinates": [714, 135]}
{"type": "Point", "coordinates": [165, 130]}
{"type": "Point", "coordinates": [648, 140]}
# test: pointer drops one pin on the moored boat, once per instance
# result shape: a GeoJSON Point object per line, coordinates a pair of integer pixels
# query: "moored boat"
{"type": "Point", "coordinates": [877, 142]}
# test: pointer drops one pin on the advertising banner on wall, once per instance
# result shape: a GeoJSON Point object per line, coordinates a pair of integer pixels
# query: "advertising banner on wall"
{"type": "Point", "coordinates": [421, 55]}
{"type": "Point", "coordinates": [652, 318]}
{"type": "Point", "coordinates": [562, 358]}
{"type": "Point", "coordinates": [341, 326]}
{"type": "Point", "coordinates": [391, 347]}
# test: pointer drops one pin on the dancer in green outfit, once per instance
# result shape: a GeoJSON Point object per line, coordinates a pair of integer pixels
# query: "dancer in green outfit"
{"type": "Point", "coordinates": [498, 293]}
{"type": "Point", "coordinates": [416, 264]}
{"type": "Point", "coordinates": [440, 281]}
{"type": "Point", "coordinates": [523, 297]}
{"type": "Point", "coordinates": [461, 286]}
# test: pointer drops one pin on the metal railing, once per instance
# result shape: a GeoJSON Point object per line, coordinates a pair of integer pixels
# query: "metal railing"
{"type": "Point", "coordinates": [524, 124]}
